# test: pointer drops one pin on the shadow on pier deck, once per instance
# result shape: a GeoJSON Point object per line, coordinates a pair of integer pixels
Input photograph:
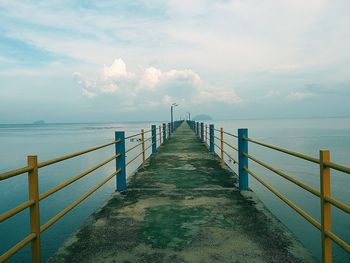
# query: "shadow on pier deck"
{"type": "Point", "coordinates": [181, 206]}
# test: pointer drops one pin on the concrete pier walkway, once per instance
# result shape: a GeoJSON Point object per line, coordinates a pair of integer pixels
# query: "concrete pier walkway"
{"type": "Point", "coordinates": [182, 206]}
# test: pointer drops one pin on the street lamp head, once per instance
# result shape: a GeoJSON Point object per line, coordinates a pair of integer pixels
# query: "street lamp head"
{"type": "Point", "coordinates": [174, 104]}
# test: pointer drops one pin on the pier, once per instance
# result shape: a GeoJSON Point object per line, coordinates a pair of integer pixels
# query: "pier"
{"type": "Point", "coordinates": [183, 204]}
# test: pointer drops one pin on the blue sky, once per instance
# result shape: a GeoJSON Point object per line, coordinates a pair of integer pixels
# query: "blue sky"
{"type": "Point", "coordinates": [78, 61]}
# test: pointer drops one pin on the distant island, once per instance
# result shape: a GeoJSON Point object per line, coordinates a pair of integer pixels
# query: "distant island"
{"type": "Point", "coordinates": [202, 117]}
{"type": "Point", "coordinates": [39, 122]}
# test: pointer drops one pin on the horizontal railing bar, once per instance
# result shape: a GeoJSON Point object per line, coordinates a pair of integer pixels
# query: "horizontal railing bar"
{"type": "Point", "coordinates": [296, 154]}
{"type": "Point", "coordinates": [216, 130]}
{"type": "Point", "coordinates": [230, 145]}
{"type": "Point", "coordinates": [134, 135]}
{"type": "Point", "coordinates": [130, 149]}
{"type": "Point", "coordinates": [150, 138]}
{"type": "Point", "coordinates": [76, 202]}
{"type": "Point", "coordinates": [68, 156]}
{"type": "Point", "coordinates": [133, 159]}
{"type": "Point", "coordinates": [286, 200]}
{"type": "Point", "coordinates": [9, 253]}
{"type": "Point", "coordinates": [12, 173]}
{"type": "Point", "coordinates": [147, 131]}
{"type": "Point", "coordinates": [16, 210]}
{"type": "Point", "coordinates": [231, 134]}
{"type": "Point", "coordinates": [337, 203]}
{"type": "Point", "coordinates": [338, 240]}
{"type": "Point", "coordinates": [338, 167]}
{"type": "Point", "coordinates": [230, 157]}
{"type": "Point", "coordinates": [72, 180]}
{"type": "Point", "coordinates": [148, 147]}
{"type": "Point", "coordinates": [217, 137]}
{"type": "Point", "coordinates": [284, 175]}
{"type": "Point", "coordinates": [217, 145]}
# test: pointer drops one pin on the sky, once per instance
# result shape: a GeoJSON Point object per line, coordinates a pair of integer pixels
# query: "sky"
{"type": "Point", "coordinates": [101, 61]}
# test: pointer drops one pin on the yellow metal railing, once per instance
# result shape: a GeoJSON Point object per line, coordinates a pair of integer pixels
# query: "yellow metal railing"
{"type": "Point", "coordinates": [35, 197]}
{"type": "Point", "coordinates": [324, 193]}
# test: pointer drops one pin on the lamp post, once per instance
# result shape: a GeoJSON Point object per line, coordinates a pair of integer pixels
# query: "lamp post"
{"type": "Point", "coordinates": [172, 116]}
{"type": "Point", "coordinates": [189, 115]}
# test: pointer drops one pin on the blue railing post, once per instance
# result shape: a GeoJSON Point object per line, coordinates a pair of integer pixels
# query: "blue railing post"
{"type": "Point", "coordinates": [154, 139]}
{"type": "Point", "coordinates": [202, 132]}
{"type": "Point", "coordinates": [169, 129]}
{"type": "Point", "coordinates": [197, 128]}
{"type": "Point", "coordinates": [120, 161]}
{"type": "Point", "coordinates": [242, 159]}
{"type": "Point", "coordinates": [164, 133]}
{"type": "Point", "coordinates": [211, 138]}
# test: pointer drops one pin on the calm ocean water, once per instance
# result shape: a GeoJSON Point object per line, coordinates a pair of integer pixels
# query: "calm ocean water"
{"type": "Point", "coordinates": [52, 140]}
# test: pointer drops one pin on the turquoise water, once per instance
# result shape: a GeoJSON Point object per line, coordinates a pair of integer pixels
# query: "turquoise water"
{"type": "Point", "coordinates": [48, 141]}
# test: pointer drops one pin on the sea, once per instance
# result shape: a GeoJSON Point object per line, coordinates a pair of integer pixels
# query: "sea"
{"type": "Point", "coordinates": [48, 141]}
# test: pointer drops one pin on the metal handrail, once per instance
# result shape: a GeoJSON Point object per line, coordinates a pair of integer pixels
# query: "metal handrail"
{"type": "Point", "coordinates": [231, 134]}
{"type": "Point", "coordinates": [72, 180]}
{"type": "Point", "coordinates": [284, 175]}
{"type": "Point", "coordinates": [132, 148]}
{"type": "Point", "coordinates": [150, 138]}
{"type": "Point", "coordinates": [133, 159]}
{"type": "Point", "coordinates": [9, 253]}
{"type": "Point", "coordinates": [149, 147]}
{"type": "Point", "coordinates": [337, 240]}
{"type": "Point", "coordinates": [338, 167]}
{"type": "Point", "coordinates": [12, 173]}
{"type": "Point", "coordinates": [300, 211]}
{"type": "Point", "coordinates": [337, 203]}
{"type": "Point", "coordinates": [286, 200]}
{"type": "Point", "coordinates": [69, 156]}
{"type": "Point", "coordinates": [16, 210]}
{"type": "Point", "coordinates": [217, 145]}
{"type": "Point", "coordinates": [76, 202]}
{"type": "Point", "coordinates": [280, 149]}
{"type": "Point", "coordinates": [315, 192]}
{"type": "Point", "coordinates": [133, 135]}
{"type": "Point", "coordinates": [231, 146]}
{"type": "Point", "coordinates": [232, 158]}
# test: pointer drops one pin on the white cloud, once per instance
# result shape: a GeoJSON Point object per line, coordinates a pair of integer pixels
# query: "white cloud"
{"type": "Point", "coordinates": [154, 78]}
{"type": "Point", "coordinates": [299, 95]}
{"type": "Point", "coordinates": [116, 71]}
{"type": "Point", "coordinates": [151, 78]}
{"type": "Point", "coordinates": [152, 87]}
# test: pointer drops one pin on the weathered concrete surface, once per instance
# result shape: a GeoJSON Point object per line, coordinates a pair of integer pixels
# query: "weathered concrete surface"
{"type": "Point", "coordinates": [181, 206]}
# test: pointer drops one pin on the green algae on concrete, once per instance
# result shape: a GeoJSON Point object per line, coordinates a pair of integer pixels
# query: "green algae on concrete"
{"type": "Point", "coordinates": [182, 206]}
